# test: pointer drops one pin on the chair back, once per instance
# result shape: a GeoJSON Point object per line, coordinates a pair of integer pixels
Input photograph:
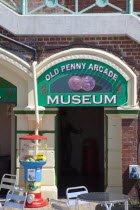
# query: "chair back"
{"type": "Point", "coordinates": [8, 181]}
{"type": "Point", "coordinates": [59, 205]}
{"type": "Point", "coordinates": [15, 199]}
{"type": "Point", "coordinates": [73, 192]}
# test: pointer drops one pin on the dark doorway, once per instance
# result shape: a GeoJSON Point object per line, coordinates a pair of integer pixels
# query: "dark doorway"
{"type": "Point", "coordinates": [80, 146]}
{"type": "Point", "coordinates": [8, 98]}
{"type": "Point", "coordinates": [5, 139]}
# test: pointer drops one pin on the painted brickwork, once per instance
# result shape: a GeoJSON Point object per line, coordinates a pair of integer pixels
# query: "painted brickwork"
{"type": "Point", "coordinates": [121, 46]}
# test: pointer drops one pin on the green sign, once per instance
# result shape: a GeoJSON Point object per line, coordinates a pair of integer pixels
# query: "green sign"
{"type": "Point", "coordinates": [8, 95]}
{"type": "Point", "coordinates": [82, 82]}
{"type": "Point", "coordinates": [8, 92]}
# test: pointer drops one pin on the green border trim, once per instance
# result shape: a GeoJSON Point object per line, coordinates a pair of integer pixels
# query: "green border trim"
{"type": "Point", "coordinates": [32, 132]}
{"type": "Point", "coordinates": [33, 112]}
{"type": "Point", "coordinates": [122, 111]}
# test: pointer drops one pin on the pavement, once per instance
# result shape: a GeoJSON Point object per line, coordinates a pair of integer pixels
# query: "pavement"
{"type": "Point", "coordinates": [81, 207]}
{"type": "Point", "coordinates": [95, 206]}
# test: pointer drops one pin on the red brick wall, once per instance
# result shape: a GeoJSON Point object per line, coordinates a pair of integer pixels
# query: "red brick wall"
{"type": "Point", "coordinates": [121, 46]}
{"type": "Point", "coordinates": [130, 134]}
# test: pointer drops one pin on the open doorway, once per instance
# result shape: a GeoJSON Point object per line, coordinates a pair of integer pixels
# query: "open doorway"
{"type": "Point", "coordinates": [80, 148]}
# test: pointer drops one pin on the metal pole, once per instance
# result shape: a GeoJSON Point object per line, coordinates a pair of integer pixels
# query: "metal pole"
{"type": "Point", "coordinates": [76, 6]}
{"type": "Point", "coordinates": [24, 5]}
{"type": "Point", "coordinates": [130, 6]}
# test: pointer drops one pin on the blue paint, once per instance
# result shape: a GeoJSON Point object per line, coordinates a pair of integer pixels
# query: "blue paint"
{"type": "Point", "coordinates": [33, 170]}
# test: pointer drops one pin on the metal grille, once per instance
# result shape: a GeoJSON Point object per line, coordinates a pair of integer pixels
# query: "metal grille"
{"type": "Point", "coordinates": [76, 7]}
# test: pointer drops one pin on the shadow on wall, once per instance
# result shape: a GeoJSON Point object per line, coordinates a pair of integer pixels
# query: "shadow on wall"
{"type": "Point", "coordinates": [130, 136]}
{"type": "Point", "coordinates": [128, 183]}
{"type": "Point", "coordinates": [138, 155]}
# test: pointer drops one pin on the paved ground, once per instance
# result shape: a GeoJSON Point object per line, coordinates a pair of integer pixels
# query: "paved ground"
{"type": "Point", "coordinates": [94, 207]}
{"type": "Point", "coordinates": [49, 208]}
{"type": "Point", "coordinates": [87, 208]}
{"type": "Point", "coordinates": [82, 207]}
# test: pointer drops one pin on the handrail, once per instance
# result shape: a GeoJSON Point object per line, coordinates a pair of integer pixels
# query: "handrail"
{"type": "Point", "coordinates": [57, 7]}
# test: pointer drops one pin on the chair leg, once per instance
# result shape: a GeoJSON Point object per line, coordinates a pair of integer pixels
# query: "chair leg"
{"type": "Point", "coordinates": [76, 205]}
{"type": "Point", "coordinates": [108, 206]}
{"type": "Point", "coordinates": [1, 207]}
{"type": "Point", "coordinates": [126, 205]}
{"type": "Point", "coordinates": [90, 206]}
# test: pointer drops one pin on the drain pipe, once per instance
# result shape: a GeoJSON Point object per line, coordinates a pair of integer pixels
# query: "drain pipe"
{"type": "Point", "coordinates": [21, 44]}
{"type": "Point", "coordinates": [35, 97]}
{"type": "Point", "coordinates": [34, 79]}
{"type": "Point", "coordinates": [36, 104]}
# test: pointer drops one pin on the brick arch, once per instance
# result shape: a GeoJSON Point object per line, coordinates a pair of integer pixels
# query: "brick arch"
{"type": "Point", "coordinates": [100, 55]}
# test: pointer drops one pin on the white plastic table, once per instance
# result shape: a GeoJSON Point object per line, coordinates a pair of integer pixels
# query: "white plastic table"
{"type": "Point", "coordinates": [104, 198]}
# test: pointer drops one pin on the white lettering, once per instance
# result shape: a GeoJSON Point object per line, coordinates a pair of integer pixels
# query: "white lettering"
{"type": "Point", "coordinates": [62, 100]}
{"type": "Point", "coordinates": [47, 77]}
{"type": "Point", "coordinates": [83, 65]}
{"type": "Point", "coordinates": [95, 102]}
{"type": "Point", "coordinates": [56, 71]}
{"type": "Point", "coordinates": [110, 74]}
{"type": "Point", "coordinates": [90, 66]}
{"type": "Point", "coordinates": [62, 68]}
{"type": "Point", "coordinates": [100, 68]}
{"type": "Point", "coordinates": [115, 77]}
{"type": "Point", "coordinates": [112, 100]}
{"type": "Point", "coordinates": [105, 71]}
{"type": "Point", "coordinates": [76, 99]}
{"type": "Point", "coordinates": [96, 67]}
{"type": "Point", "coordinates": [68, 67]}
{"type": "Point", "coordinates": [73, 66]}
{"type": "Point", "coordinates": [52, 101]}
{"type": "Point", "coordinates": [78, 65]}
{"type": "Point", "coordinates": [85, 99]}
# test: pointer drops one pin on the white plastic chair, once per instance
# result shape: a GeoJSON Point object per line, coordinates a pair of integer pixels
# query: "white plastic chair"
{"type": "Point", "coordinates": [73, 192]}
{"type": "Point", "coordinates": [8, 182]}
{"type": "Point", "coordinates": [59, 205]}
{"type": "Point", "coordinates": [16, 199]}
